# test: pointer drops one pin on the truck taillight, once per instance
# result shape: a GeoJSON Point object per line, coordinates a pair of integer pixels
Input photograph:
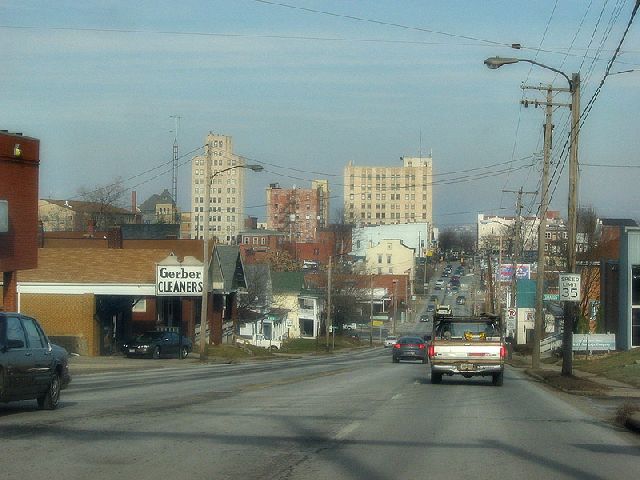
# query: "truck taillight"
{"type": "Point", "coordinates": [503, 351]}
{"type": "Point", "coordinates": [421, 346]}
{"type": "Point", "coordinates": [431, 351]}
{"type": "Point", "coordinates": [396, 345]}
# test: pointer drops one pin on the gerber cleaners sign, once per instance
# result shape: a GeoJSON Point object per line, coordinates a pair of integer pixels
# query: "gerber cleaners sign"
{"type": "Point", "coordinates": [176, 280]}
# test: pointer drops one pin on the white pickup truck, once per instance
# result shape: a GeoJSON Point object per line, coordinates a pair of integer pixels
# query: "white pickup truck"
{"type": "Point", "coordinates": [467, 346]}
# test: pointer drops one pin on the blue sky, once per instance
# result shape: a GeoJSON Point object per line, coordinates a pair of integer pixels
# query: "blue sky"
{"type": "Point", "coordinates": [306, 92]}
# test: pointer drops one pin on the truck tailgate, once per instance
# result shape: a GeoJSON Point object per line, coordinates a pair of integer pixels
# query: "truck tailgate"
{"type": "Point", "coordinates": [467, 352]}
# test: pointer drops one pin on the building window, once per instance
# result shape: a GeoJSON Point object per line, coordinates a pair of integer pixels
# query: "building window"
{"type": "Point", "coordinates": [388, 258]}
{"type": "Point", "coordinates": [379, 258]}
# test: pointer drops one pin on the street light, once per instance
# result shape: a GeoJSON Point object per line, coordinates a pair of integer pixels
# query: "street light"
{"type": "Point", "coordinates": [205, 243]}
{"type": "Point", "coordinates": [569, 315]}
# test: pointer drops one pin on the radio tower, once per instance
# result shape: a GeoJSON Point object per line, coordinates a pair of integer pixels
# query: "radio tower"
{"type": "Point", "coordinates": [174, 180]}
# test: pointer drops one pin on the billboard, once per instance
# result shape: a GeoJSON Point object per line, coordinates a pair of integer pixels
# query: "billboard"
{"type": "Point", "coordinates": [522, 271]}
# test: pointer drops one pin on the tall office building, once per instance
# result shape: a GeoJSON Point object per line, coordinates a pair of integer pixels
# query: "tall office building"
{"type": "Point", "coordinates": [298, 212]}
{"type": "Point", "coordinates": [226, 208]}
{"type": "Point", "coordinates": [388, 195]}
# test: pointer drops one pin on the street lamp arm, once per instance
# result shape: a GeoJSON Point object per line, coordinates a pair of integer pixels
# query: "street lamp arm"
{"type": "Point", "coordinates": [497, 62]}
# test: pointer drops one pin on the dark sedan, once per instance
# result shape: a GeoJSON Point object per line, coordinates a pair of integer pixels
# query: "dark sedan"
{"type": "Point", "coordinates": [31, 367]}
{"type": "Point", "coordinates": [157, 345]}
{"type": "Point", "coordinates": [410, 348]}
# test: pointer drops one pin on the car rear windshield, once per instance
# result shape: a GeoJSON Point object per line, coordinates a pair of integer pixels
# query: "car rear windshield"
{"type": "Point", "coordinates": [467, 330]}
{"type": "Point", "coordinates": [410, 340]}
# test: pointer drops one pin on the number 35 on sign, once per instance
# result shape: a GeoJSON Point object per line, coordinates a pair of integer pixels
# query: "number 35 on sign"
{"type": "Point", "coordinates": [569, 287]}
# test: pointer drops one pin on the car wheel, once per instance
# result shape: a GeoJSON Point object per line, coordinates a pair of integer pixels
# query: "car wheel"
{"type": "Point", "coordinates": [49, 400]}
{"type": "Point", "coordinates": [436, 377]}
{"type": "Point", "coordinates": [424, 360]}
{"type": "Point", "coordinates": [497, 379]}
{"type": "Point", "coordinates": [184, 352]}
{"type": "Point", "coordinates": [156, 353]}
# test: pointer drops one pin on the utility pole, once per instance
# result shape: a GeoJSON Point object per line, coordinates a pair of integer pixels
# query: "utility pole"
{"type": "Point", "coordinates": [204, 320]}
{"type": "Point", "coordinates": [371, 311]}
{"type": "Point", "coordinates": [542, 227]}
{"type": "Point", "coordinates": [490, 284]}
{"type": "Point", "coordinates": [517, 241]}
{"type": "Point", "coordinates": [328, 316]}
{"type": "Point", "coordinates": [570, 307]}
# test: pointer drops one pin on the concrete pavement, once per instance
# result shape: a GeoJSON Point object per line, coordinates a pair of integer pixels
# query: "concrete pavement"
{"type": "Point", "coordinates": [614, 389]}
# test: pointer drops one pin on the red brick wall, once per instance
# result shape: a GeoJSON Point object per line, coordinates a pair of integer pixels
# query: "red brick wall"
{"type": "Point", "coordinates": [19, 186]}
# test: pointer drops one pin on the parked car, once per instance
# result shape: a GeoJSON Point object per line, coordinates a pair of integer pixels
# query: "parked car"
{"type": "Point", "coordinates": [157, 345]}
{"type": "Point", "coordinates": [410, 348]}
{"type": "Point", "coordinates": [390, 341]}
{"type": "Point", "coordinates": [31, 367]}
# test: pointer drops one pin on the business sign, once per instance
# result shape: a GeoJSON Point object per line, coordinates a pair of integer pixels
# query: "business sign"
{"type": "Point", "coordinates": [377, 323]}
{"type": "Point", "coordinates": [550, 296]}
{"type": "Point", "coordinates": [178, 281]}
{"type": "Point", "coordinates": [569, 287]}
{"type": "Point", "coordinates": [594, 342]}
{"type": "Point", "coordinates": [506, 271]}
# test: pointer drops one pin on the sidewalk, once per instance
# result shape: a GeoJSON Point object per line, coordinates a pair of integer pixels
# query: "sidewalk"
{"type": "Point", "coordinates": [81, 365]}
{"type": "Point", "coordinates": [583, 383]}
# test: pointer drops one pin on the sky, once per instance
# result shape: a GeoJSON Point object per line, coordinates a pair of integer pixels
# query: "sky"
{"type": "Point", "coordinates": [306, 86]}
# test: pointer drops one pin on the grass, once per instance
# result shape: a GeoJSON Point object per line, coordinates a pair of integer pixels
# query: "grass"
{"type": "Point", "coordinates": [231, 353]}
{"type": "Point", "coordinates": [307, 345]}
{"type": "Point", "coordinates": [621, 366]}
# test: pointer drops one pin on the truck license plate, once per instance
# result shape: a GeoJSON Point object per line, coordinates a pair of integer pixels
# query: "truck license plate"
{"type": "Point", "coordinates": [466, 367]}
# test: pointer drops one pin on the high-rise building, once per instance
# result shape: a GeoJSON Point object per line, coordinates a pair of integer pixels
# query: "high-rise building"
{"type": "Point", "coordinates": [226, 208]}
{"type": "Point", "coordinates": [388, 195]}
{"type": "Point", "coordinates": [298, 212]}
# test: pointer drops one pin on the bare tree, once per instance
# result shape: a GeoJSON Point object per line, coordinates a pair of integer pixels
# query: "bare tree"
{"type": "Point", "coordinates": [588, 258]}
{"type": "Point", "coordinates": [106, 200]}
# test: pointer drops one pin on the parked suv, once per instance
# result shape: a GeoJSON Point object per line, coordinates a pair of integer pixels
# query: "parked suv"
{"type": "Point", "coordinates": [31, 367]}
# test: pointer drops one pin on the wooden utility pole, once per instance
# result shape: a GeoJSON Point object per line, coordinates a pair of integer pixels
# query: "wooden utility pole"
{"type": "Point", "coordinates": [328, 315]}
{"type": "Point", "coordinates": [542, 229]}
{"type": "Point", "coordinates": [570, 307]}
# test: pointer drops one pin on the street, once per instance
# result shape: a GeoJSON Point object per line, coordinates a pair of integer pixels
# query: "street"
{"type": "Point", "coordinates": [348, 416]}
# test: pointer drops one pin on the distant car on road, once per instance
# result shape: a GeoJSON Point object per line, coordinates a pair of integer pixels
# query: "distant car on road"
{"type": "Point", "coordinates": [157, 345]}
{"type": "Point", "coordinates": [390, 341]}
{"type": "Point", "coordinates": [31, 367]}
{"type": "Point", "coordinates": [431, 308]}
{"type": "Point", "coordinates": [424, 317]}
{"type": "Point", "coordinates": [433, 298]}
{"type": "Point", "coordinates": [410, 348]}
{"type": "Point", "coordinates": [461, 300]}
{"type": "Point", "coordinates": [439, 283]}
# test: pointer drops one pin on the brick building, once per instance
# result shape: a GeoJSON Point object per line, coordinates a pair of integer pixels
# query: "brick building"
{"type": "Point", "coordinates": [298, 212]}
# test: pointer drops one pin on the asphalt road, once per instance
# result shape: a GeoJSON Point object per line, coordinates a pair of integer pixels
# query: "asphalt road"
{"type": "Point", "coordinates": [351, 416]}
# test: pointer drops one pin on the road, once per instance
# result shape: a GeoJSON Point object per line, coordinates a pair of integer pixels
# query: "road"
{"type": "Point", "coordinates": [352, 416]}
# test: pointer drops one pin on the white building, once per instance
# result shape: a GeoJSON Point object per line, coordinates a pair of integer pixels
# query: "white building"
{"type": "Point", "coordinates": [390, 257]}
{"type": "Point", "coordinates": [226, 208]}
{"type": "Point", "coordinates": [413, 235]}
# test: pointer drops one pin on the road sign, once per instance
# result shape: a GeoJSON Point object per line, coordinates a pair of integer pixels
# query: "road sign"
{"type": "Point", "coordinates": [551, 296]}
{"type": "Point", "coordinates": [378, 323]}
{"type": "Point", "coordinates": [569, 287]}
{"type": "Point", "coordinates": [511, 313]}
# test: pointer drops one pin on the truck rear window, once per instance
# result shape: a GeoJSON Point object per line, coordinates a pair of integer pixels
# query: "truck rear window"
{"type": "Point", "coordinates": [470, 331]}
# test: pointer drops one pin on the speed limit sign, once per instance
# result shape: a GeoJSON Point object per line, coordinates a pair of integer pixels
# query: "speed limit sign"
{"type": "Point", "coordinates": [569, 287]}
